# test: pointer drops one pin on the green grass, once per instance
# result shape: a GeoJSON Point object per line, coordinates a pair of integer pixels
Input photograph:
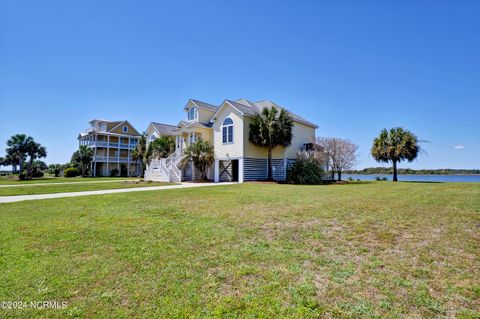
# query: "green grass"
{"type": "Point", "coordinates": [63, 188]}
{"type": "Point", "coordinates": [362, 250]}
{"type": "Point", "coordinates": [7, 180]}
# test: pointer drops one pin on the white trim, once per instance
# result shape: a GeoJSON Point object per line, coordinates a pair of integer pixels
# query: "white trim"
{"type": "Point", "coordinates": [199, 106]}
{"type": "Point", "coordinates": [121, 124]}
{"type": "Point", "coordinates": [216, 171]}
{"type": "Point", "coordinates": [227, 126]}
{"type": "Point", "coordinates": [212, 119]}
{"type": "Point", "coordinates": [240, 170]}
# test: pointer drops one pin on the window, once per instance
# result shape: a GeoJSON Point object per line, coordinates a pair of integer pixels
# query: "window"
{"type": "Point", "coordinates": [152, 137]}
{"type": "Point", "coordinates": [227, 131]}
{"type": "Point", "coordinates": [192, 114]}
{"type": "Point", "coordinates": [125, 129]}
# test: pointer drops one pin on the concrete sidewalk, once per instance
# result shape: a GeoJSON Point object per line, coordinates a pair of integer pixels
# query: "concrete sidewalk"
{"type": "Point", "coordinates": [70, 183]}
{"type": "Point", "coordinates": [19, 198]}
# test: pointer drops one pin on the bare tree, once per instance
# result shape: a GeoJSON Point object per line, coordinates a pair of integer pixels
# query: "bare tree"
{"type": "Point", "coordinates": [341, 154]}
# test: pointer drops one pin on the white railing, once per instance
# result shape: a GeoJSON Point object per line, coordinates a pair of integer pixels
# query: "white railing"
{"type": "Point", "coordinates": [166, 167]}
{"type": "Point", "coordinates": [177, 173]}
{"type": "Point", "coordinates": [108, 144]}
{"type": "Point", "coordinates": [112, 159]}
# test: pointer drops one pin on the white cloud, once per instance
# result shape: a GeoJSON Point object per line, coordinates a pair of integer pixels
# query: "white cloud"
{"type": "Point", "coordinates": [458, 147]}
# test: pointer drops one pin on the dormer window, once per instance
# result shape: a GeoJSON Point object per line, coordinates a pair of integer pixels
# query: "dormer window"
{"type": "Point", "coordinates": [125, 129]}
{"type": "Point", "coordinates": [192, 114]}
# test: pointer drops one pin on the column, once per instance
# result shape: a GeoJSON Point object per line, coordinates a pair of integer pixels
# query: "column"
{"type": "Point", "coordinates": [216, 171]}
{"type": "Point", "coordinates": [118, 155]}
{"type": "Point", "coordinates": [95, 157]}
{"type": "Point", "coordinates": [128, 158]}
{"type": "Point", "coordinates": [285, 163]}
{"type": "Point", "coordinates": [108, 155]}
{"type": "Point", "coordinates": [240, 170]}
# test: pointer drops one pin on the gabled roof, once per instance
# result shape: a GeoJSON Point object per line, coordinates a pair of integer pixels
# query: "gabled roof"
{"type": "Point", "coordinates": [248, 108]}
{"type": "Point", "coordinates": [110, 126]}
{"type": "Point", "coordinates": [163, 129]}
{"type": "Point", "coordinates": [203, 105]}
{"type": "Point", "coordinates": [268, 104]}
{"type": "Point", "coordinates": [118, 123]}
{"type": "Point", "coordinates": [196, 124]}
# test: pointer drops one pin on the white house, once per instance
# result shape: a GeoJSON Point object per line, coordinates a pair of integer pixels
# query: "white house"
{"type": "Point", "coordinates": [227, 127]}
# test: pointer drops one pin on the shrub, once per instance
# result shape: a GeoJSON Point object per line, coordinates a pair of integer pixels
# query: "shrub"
{"type": "Point", "coordinates": [38, 174]}
{"type": "Point", "coordinates": [55, 169]}
{"type": "Point", "coordinates": [71, 172]}
{"type": "Point", "coordinates": [114, 172]}
{"type": "Point", "coordinates": [22, 176]}
{"type": "Point", "coordinates": [305, 171]}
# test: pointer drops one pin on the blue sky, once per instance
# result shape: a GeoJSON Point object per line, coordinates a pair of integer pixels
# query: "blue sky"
{"type": "Point", "coordinates": [352, 67]}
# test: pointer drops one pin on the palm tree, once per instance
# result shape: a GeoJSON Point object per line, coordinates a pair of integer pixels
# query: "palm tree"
{"type": "Point", "coordinates": [395, 146]}
{"type": "Point", "coordinates": [83, 156]}
{"type": "Point", "coordinates": [17, 149]}
{"type": "Point", "coordinates": [34, 151]}
{"type": "Point", "coordinates": [140, 152]}
{"type": "Point", "coordinates": [11, 160]}
{"type": "Point", "coordinates": [201, 154]}
{"type": "Point", "coordinates": [161, 147]}
{"type": "Point", "coordinates": [271, 128]}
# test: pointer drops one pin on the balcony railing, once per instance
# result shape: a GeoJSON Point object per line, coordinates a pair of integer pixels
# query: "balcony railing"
{"type": "Point", "coordinates": [119, 159]}
{"type": "Point", "coordinates": [108, 144]}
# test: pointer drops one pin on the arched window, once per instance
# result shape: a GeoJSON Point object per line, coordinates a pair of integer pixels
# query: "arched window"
{"type": "Point", "coordinates": [227, 131]}
{"type": "Point", "coordinates": [192, 113]}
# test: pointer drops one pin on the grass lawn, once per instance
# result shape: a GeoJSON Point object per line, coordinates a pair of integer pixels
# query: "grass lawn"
{"type": "Point", "coordinates": [362, 250]}
{"type": "Point", "coordinates": [63, 188]}
{"type": "Point", "coordinates": [6, 180]}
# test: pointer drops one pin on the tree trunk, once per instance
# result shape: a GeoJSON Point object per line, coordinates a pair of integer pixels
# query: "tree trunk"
{"type": "Point", "coordinates": [339, 175]}
{"type": "Point", "coordinates": [83, 170]}
{"type": "Point", "coordinates": [395, 178]}
{"type": "Point", "coordinates": [30, 168]}
{"type": "Point", "coordinates": [20, 164]}
{"type": "Point", "coordinates": [270, 173]}
{"type": "Point", "coordinates": [333, 175]}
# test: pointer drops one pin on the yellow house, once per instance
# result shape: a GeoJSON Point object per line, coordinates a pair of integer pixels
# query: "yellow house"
{"type": "Point", "coordinates": [112, 143]}
{"type": "Point", "coordinates": [227, 127]}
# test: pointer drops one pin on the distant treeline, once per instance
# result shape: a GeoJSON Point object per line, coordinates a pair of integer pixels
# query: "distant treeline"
{"type": "Point", "coordinates": [389, 170]}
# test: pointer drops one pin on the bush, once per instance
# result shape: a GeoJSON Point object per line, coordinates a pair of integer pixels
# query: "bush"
{"type": "Point", "coordinates": [22, 176]}
{"type": "Point", "coordinates": [55, 169]}
{"type": "Point", "coordinates": [114, 172]}
{"type": "Point", "coordinates": [305, 171]}
{"type": "Point", "coordinates": [38, 174]}
{"type": "Point", "coordinates": [71, 172]}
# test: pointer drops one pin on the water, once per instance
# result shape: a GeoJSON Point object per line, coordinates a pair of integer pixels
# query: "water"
{"type": "Point", "coordinates": [416, 178]}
